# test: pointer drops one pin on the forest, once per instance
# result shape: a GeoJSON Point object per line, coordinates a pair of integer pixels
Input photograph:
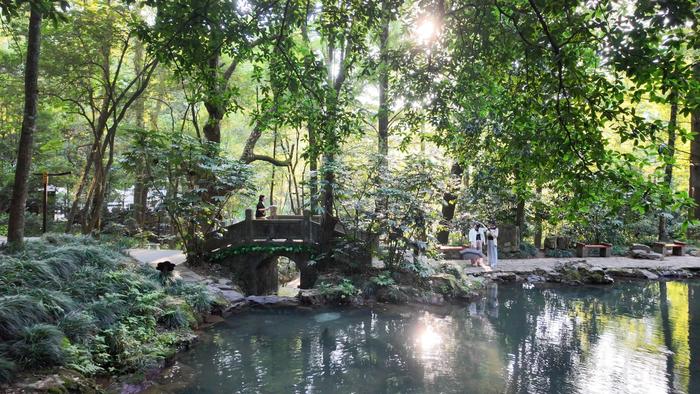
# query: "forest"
{"type": "Point", "coordinates": [392, 125]}
{"type": "Point", "coordinates": [402, 118]}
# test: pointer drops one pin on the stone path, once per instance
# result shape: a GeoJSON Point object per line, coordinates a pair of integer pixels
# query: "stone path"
{"type": "Point", "coordinates": [530, 265]}
{"type": "Point", "coordinates": [154, 256]}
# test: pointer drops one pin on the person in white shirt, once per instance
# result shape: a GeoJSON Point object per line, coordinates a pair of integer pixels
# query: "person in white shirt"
{"type": "Point", "coordinates": [492, 244]}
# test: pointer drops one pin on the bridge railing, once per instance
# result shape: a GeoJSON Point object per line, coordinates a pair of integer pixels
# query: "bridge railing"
{"type": "Point", "coordinates": [278, 229]}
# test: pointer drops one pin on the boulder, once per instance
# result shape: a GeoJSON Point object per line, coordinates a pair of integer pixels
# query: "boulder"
{"type": "Point", "coordinates": [271, 301]}
{"type": "Point", "coordinates": [641, 247]}
{"type": "Point", "coordinates": [645, 255]}
{"type": "Point", "coordinates": [648, 274]}
{"type": "Point", "coordinates": [310, 297]}
{"type": "Point", "coordinates": [232, 296]}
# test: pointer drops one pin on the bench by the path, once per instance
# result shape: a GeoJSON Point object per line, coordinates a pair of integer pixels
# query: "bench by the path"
{"type": "Point", "coordinates": [584, 250]}
{"type": "Point", "coordinates": [675, 248]}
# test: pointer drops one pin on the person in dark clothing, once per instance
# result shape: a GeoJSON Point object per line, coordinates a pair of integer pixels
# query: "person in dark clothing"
{"type": "Point", "coordinates": [260, 208]}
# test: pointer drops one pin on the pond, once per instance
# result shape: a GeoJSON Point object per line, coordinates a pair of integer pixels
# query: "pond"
{"type": "Point", "coordinates": [638, 337]}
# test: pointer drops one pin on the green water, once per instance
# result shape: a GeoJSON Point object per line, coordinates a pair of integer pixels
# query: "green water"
{"type": "Point", "coordinates": [627, 338]}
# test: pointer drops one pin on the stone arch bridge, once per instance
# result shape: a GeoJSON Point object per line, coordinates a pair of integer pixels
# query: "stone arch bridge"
{"type": "Point", "coordinates": [250, 249]}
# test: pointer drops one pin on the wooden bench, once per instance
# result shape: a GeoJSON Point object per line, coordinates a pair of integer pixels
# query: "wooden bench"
{"type": "Point", "coordinates": [676, 248]}
{"type": "Point", "coordinates": [584, 250]}
{"type": "Point", "coordinates": [451, 252]}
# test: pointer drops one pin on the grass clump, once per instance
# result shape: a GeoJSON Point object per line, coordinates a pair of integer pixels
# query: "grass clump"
{"type": "Point", "coordinates": [73, 302]}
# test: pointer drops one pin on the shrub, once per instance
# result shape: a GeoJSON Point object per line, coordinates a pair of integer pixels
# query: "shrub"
{"type": "Point", "coordinates": [78, 325]}
{"type": "Point", "coordinates": [19, 272]}
{"type": "Point", "coordinates": [383, 280]}
{"type": "Point", "coordinates": [56, 303]}
{"type": "Point", "coordinates": [7, 370]}
{"type": "Point", "coordinates": [70, 301]}
{"type": "Point", "coordinates": [18, 312]}
{"type": "Point", "coordinates": [175, 318]}
{"type": "Point", "coordinates": [39, 345]}
{"type": "Point", "coordinates": [196, 296]}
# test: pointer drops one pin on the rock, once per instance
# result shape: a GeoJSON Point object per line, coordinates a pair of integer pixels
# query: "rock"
{"type": "Point", "coordinates": [504, 277]}
{"type": "Point", "coordinates": [578, 272]}
{"type": "Point", "coordinates": [224, 282]}
{"type": "Point", "coordinates": [232, 296]}
{"type": "Point", "coordinates": [641, 247]}
{"type": "Point", "coordinates": [392, 294]}
{"type": "Point", "coordinates": [310, 297]}
{"type": "Point", "coordinates": [622, 273]}
{"type": "Point", "coordinates": [532, 278]}
{"type": "Point", "coordinates": [271, 301]}
{"type": "Point", "coordinates": [694, 252]}
{"type": "Point", "coordinates": [644, 255]}
{"type": "Point", "coordinates": [648, 274]}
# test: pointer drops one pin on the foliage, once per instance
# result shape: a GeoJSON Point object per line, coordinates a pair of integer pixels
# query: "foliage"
{"type": "Point", "coordinates": [266, 249]}
{"type": "Point", "coordinates": [7, 369]}
{"type": "Point", "coordinates": [406, 208]}
{"type": "Point", "coordinates": [193, 182]}
{"type": "Point", "coordinates": [39, 345]}
{"type": "Point", "coordinates": [383, 280]}
{"type": "Point", "coordinates": [341, 292]}
{"type": "Point", "coordinates": [74, 302]}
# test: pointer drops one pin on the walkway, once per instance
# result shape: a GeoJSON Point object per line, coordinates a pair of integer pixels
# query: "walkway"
{"type": "Point", "coordinates": [530, 265]}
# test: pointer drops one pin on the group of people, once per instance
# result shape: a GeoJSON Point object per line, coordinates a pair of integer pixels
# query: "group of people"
{"type": "Point", "coordinates": [481, 236]}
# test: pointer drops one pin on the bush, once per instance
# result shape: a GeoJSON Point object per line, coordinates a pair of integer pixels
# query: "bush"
{"type": "Point", "coordinates": [38, 346]}
{"type": "Point", "coordinates": [70, 301]}
{"type": "Point", "coordinates": [383, 280]}
{"type": "Point", "coordinates": [18, 312]}
{"type": "Point", "coordinates": [7, 370]}
{"type": "Point", "coordinates": [176, 318]}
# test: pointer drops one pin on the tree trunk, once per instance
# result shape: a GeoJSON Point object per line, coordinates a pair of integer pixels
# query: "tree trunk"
{"type": "Point", "coordinates": [520, 216]}
{"type": "Point", "coordinates": [328, 221]}
{"type": "Point", "coordinates": [313, 170]}
{"type": "Point", "coordinates": [538, 218]}
{"type": "Point", "coordinates": [140, 185]}
{"type": "Point", "coordinates": [15, 231]}
{"type": "Point", "coordinates": [694, 338]}
{"type": "Point", "coordinates": [667, 335]}
{"type": "Point", "coordinates": [383, 112]}
{"type": "Point", "coordinates": [212, 129]}
{"type": "Point", "coordinates": [694, 181]}
{"type": "Point", "coordinates": [668, 171]}
{"type": "Point", "coordinates": [448, 207]}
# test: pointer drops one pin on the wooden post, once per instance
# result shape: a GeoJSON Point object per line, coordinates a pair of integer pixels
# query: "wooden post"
{"type": "Point", "coordinates": [273, 211]}
{"type": "Point", "coordinates": [45, 202]}
{"type": "Point", "coordinates": [45, 209]}
{"type": "Point", "coordinates": [248, 225]}
{"type": "Point", "coordinates": [306, 226]}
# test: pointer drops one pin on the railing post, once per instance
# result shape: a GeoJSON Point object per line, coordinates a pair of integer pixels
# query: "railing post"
{"type": "Point", "coordinates": [248, 225]}
{"type": "Point", "coordinates": [306, 225]}
{"type": "Point", "coordinates": [273, 211]}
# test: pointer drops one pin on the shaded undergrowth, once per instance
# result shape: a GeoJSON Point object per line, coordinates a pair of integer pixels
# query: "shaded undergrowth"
{"type": "Point", "coordinates": [73, 302]}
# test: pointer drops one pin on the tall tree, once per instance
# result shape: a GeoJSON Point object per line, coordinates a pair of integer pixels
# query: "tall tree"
{"type": "Point", "coordinates": [37, 10]}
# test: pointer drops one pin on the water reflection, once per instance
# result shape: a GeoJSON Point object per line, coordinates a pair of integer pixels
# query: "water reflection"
{"type": "Point", "coordinates": [629, 338]}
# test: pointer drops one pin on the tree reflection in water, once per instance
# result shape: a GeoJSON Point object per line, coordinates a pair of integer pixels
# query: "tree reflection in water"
{"type": "Point", "coordinates": [631, 337]}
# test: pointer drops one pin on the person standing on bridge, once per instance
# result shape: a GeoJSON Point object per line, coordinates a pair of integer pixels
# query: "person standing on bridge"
{"type": "Point", "coordinates": [260, 208]}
